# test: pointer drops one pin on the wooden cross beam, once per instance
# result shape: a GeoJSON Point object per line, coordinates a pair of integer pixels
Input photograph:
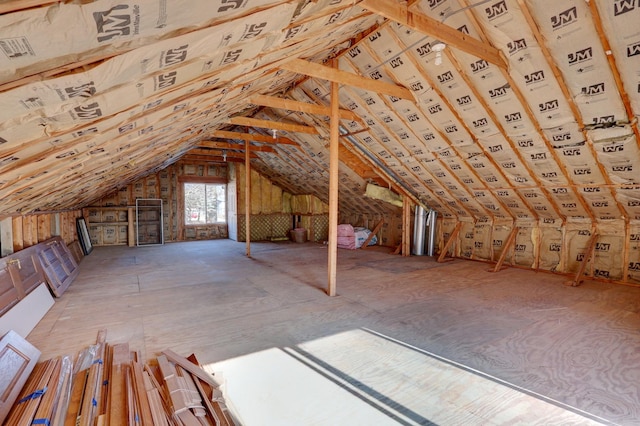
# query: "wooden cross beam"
{"type": "Point", "coordinates": [349, 79]}
{"type": "Point", "coordinates": [399, 12]}
{"type": "Point", "coordinates": [252, 137]}
{"type": "Point", "coordinates": [219, 153]}
{"type": "Point", "coordinates": [226, 145]}
{"type": "Point", "coordinates": [277, 125]}
{"type": "Point", "coordinates": [289, 104]}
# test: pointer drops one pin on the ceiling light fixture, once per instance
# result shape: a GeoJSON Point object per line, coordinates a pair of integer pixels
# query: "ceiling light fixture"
{"type": "Point", "coordinates": [274, 133]}
{"type": "Point", "coordinates": [438, 47]}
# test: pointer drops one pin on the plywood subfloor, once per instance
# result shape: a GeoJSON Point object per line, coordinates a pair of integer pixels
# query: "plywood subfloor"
{"type": "Point", "coordinates": [576, 346]}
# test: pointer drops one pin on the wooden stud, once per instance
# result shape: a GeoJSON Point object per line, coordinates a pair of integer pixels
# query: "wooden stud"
{"type": "Point", "coordinates": [625, 252]}
{"type": "Point", "coordinates": [406, 227]}
{"type": "Point", "coordinates": [537, 246]}
{"type": "Point", "coordinates": [131, 227]}
{"type": "Point", "coordinates": [333, 189]}
{"type": "Point", "coordinates": [450, 241]}
{"type": "Point", "coordinates": [247, 199]}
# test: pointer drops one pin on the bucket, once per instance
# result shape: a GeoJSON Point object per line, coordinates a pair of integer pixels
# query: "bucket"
{"type": "Point", "coordinates": [299, 235]}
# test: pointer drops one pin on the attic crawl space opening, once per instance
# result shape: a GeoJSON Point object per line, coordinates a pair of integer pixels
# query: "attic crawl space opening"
{"type": "Point", "coordinates": [515, 120]}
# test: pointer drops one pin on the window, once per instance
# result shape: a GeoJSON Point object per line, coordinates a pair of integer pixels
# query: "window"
{"type": "Point", "coordinates": [205, 203]}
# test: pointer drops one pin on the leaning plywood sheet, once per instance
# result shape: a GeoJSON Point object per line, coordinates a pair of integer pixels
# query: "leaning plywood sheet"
{"type": "Point", "coordinates": [60, 268]}
{"type": "Point", "coordinates": [27, 312]}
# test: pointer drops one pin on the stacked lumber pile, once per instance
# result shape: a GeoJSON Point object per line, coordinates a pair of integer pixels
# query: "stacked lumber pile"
{"type": "Point", "coordinates": [110, 385]}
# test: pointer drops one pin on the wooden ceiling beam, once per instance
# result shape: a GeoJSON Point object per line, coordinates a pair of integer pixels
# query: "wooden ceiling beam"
{"type": "Point", "coordinates": [267, 124]}
{"type": "Point", "coordinates": [343, 77]}
{"type": "Point", "coordinates": [227, 145]}
{"type": "Point", "coordinates": [426, 25]}
{"type": "Point", "coordinates": [211, 158]}
{"type": "Point", "coordinates": [218, 153]}
{"type": "Point", "coordinates": [252, 137]}
{"type": "Point", "coordinates": [289, 104]}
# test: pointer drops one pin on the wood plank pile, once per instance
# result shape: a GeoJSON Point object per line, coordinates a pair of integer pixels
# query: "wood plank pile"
{"type": "Point", "coordinates": [110, 385]}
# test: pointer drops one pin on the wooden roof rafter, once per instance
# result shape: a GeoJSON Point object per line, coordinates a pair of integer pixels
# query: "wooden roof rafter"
{"type": "Point", "coordinates": [445, 101]}
{"type": "Point", "coordinates": [400, 186]}
{"type": "Point", "coordinates": [566, 92]}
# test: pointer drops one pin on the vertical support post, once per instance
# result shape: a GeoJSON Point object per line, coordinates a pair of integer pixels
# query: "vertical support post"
{"type": "Point", "coordinates": [247, 197]}
{"type": "Point", "coordinates": [333, 188]}
{"type": "Point", "coordinates": [625, 253]}
{"type": "Point", "coordinates": [6, 236]}
{"type": "Point", "coordinates": [406, 226]}
{"type": "Point", "coordinates": [131, 227]}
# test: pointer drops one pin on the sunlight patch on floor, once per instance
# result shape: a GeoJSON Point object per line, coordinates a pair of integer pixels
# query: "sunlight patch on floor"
{"type": "Point", "coordinates": [360, 377]}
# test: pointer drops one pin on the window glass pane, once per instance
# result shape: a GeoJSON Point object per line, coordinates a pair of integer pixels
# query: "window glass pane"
{"type": "Point", "coordinates": [194, 196]}
{"type": "Point", "coordinates": [204, 203]}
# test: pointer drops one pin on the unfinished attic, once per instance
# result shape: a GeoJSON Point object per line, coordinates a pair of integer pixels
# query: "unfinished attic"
{"type": "Point", "coordinates": [495, 135]}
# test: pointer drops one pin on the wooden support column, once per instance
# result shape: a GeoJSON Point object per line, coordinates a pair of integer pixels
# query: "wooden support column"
{"type": "Point", "coordinates": [131, 227]}
{"type": "Point", "coordinates": [406, 226]}
{"type": "Point", "coordinates": [333, 187]}
{"type": "Point", "coordinates": [247, 196]}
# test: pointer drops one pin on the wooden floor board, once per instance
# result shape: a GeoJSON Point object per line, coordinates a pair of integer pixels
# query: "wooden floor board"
{"type": "Point", "coordinates": [576, 345]}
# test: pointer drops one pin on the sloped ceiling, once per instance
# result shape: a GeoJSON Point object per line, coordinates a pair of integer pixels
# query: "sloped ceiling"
{"type": "Point", "coordinates": [528, 114]}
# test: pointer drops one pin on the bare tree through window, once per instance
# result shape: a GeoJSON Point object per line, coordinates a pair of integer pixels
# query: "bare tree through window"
{"type": "Point", "coordinates": [205, 203]}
